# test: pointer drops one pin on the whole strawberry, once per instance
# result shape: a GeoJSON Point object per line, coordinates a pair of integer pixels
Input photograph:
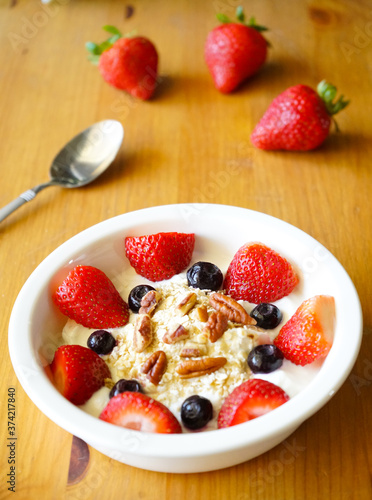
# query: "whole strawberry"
{"type": "Point", "coordinates": [128, 63]}
{"type": "Point", "coordinates": [308, 334]}
{"type": "Point", "coordinates": [259, 274]}
{"type": "Point", "coordinates": [234, 51]}
{"type": "Point", "coordinates": [89, 297]}
{"type": "Point", "coordinates": [160, 256]}
{"type": "Point", "coordinates": [299, 119]}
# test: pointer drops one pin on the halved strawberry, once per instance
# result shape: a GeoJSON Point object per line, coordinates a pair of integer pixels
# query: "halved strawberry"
{"type": "Point", "coordinates": [78, 372]}
{"type": "Point", "coordinates": [89, 297]}
{"type": "Point", "coordinates": [259, 274]}
{"type": "Point", "coordinates": [250, 400]}
{"type": "Point", "coordinates": [159, 256]}
{"type": "Point", "coordinates": [308, 334]}
{"type": "Point", "coordinates": [139, 412]}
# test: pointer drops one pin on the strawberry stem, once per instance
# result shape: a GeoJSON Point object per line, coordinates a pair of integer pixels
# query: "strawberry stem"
{"type": "Point", "coordinates": [327, 92]}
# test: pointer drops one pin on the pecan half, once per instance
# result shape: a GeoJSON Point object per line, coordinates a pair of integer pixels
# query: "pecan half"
{"type": "Point", "coordinates": [193, 350]}
{"type": "Point", "coordinates": [186, 304]}
{"type": "Point", "coordinates": [216, 326]}
{"type": "Point", "coordinates": [154, 366]}
{"type": "Point", "coordinates": [142, 336]}
{"type": "Point", "coordinates": [149, 302]}
{"type": "Point", "coordinates": [230, 308]}
{"type": "Point", "coordinates": [202, 366]}
{"type": "Point", "coordinates": [178, 332]}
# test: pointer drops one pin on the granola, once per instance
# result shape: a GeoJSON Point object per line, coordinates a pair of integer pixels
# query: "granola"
{"type": "Point", "coordinates": [184, 337]}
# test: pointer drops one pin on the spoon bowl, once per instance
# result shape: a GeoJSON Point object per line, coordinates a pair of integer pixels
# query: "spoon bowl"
{"type": "Point", "coordinates": [87, 155]}
{"type": "Point", "coordinates": [80, 162]}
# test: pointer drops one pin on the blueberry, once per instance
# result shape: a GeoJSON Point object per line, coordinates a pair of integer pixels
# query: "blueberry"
{"type": "Point", "coordinates": [205, 275]}
{"type": "Point", "coordinates": [101, 342]}
{"type": "Point", "coordinates": [196, 412]}
{"type": "Point", "coordinates": [267, 316]}
{"type": "Point", "coordinates": [124, 385]}
{"type": "Point", "coordinates": [136, 295]}
{"type": "Point", "coordinates": [265, 358]}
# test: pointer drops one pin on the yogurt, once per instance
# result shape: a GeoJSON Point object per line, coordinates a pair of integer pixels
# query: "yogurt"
{"type": "Point", "coordinates": [234, 345]}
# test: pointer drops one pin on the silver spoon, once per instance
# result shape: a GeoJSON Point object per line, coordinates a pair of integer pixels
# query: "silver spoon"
{"type": "Point", "coordinates": [81, 161]}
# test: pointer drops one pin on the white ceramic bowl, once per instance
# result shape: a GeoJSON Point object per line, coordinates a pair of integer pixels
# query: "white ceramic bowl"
{"type": "Point", "coordinates": [35, 326]}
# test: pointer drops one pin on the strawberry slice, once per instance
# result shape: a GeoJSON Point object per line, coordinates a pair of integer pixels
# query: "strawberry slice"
{"type": "Point", "coordinates": [250, 400]}
{"type": "Point", "coordinates": [259, 274]}
{"type": "Point", "coordinates": [139, 412]}
{"type": "Point", "coordinates": [78, 372]}
{"type": "Point", "coordinates": [89, 297]}
{"type": "Point", "coordinates": [160, 256]}
{"type": "Point", "coordinates": [308, 335]}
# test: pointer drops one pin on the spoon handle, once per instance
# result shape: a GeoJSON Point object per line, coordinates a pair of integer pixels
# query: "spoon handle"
{"type": "Point", "coordinates": [23, 198]}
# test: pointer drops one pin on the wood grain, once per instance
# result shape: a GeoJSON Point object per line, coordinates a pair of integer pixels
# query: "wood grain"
{"type": "Point", "coordinates": [188, 144]}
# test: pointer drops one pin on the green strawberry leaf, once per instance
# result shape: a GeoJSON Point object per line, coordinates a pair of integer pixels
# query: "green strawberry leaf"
{"type": "Point", "coordinates": [240, 16]}
{"type": "Point", "coordinates": [105, 45]}
{"type": "Point", "coordinates": [113, 39]}
{"type": "Point", "coordinates": [95, 50]}
{"type": "Point", "coordinates": [257, 27]}
{"type": "Point", "coordinates": [94, 59]}
{"type": "Point", "coordinates": [113, 30]}
{"type": "Point", "coordinates": [223, 19]}
{"type": "Point", "coordinates": [92, 47]}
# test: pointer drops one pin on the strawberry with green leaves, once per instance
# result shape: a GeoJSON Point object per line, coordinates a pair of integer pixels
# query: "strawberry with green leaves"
{"type": "Point", "coordinates": [160, 256]}
{"type": "Point", "coordinates": [140, 412]}
{"type": "Point", "coordinates": [234, 51]}
{"type": "Point", "coordinates": [127, 62]}
{"type": "Point", "coordinates": [308, 334]}
{"type": "Point", "coordinates": [259, 274]}
{"type": "Point", "coordinates": [78, 372]}
{"type": "Point", "coordinates": [250, 400]}
{"type": "Point", "coordinates": [90, 298]}
{"type": "Point", "coordinates": [298, 119]}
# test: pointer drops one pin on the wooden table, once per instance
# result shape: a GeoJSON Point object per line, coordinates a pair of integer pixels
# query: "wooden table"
{"type": "Point", "coordinates": [188, 144]}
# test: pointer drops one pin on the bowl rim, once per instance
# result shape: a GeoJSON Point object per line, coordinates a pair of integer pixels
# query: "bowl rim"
{"type": "Point", "coordinates": [36, 383]}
